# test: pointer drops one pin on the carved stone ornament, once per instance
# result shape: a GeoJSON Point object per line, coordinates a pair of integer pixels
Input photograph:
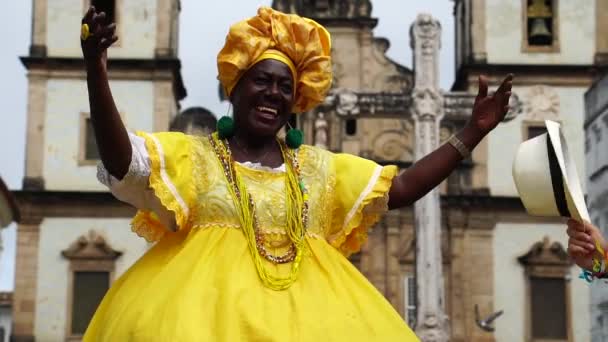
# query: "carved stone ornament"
{"type": "Point", "coordinates": [541, 103]}
{"type": "Point", "coordinates": [321, 131]}
{"type": "Point", "coordinates": [428, 104]}
{"type": "Point", "coordinates": [547, 254]}
{"type": "Point", "coordinates": [516, 108]}
{"type": "Point", "coordinates": [347, 103]}
{"type": "Point", "coordinates": [426, 29]}
{"type": "Point", "coordinates": [344, 101]}
{"type": "Point", "coordinates": [430, 329]}
{"type": "Point", "coordinates": [92, 246]}
{"type": "Point", "coordinates": [392, 145]}
{"type": "Point", "coordinates": [332, 9]}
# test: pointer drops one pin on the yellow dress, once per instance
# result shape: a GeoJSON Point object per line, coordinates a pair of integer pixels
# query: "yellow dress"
{"type": "Point", "coordinates": [200, 284]}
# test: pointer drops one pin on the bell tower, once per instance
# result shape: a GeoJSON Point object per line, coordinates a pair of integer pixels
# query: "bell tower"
{"type": "Point", "coordinates": [64, 206]}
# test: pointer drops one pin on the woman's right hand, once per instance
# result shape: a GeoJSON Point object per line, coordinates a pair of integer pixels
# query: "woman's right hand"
{"type": "Point", "coordinates": [102, 36]}
{"type": "Point", "coordinates": [581, 243]}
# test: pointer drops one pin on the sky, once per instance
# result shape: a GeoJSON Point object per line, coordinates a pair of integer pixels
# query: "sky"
{"type": "Point", "coordinates": [202, 33]}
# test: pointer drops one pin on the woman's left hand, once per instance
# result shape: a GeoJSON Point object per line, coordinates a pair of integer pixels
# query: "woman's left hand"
{"type": "Point", "coordinates": [489, 111]}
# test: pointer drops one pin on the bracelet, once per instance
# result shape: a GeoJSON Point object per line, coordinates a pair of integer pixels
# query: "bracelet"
{"type": "Point", "coordinates": [459, 146]}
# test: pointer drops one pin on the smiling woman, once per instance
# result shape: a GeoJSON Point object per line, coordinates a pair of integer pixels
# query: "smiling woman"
{"type": "Point", "coordinates": [251, 232]}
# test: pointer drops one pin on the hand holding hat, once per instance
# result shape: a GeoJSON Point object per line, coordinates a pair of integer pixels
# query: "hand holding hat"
{"type": "Point", "coordinates": [546, 178]}
{"type": "Point", "coordinates": [582, 240]}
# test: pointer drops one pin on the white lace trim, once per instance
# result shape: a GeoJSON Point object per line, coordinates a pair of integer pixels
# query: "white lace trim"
{"type": "Point", "coordinates": [259, 166]}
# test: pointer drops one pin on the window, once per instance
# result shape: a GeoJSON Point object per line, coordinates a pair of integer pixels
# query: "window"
{"type": "Point", "coordinates": [107, 6]}
{"type": "Point", "coordinates": [91, 269]}
{"type": "Point", "coordinates": [87, 151]}
{"type": "Point", "coordinates": [410, 300]}
{"type": "Point", "coordinates": [351, 126]}
{"type": "Point", "coordinates": [90, 145]}
{"type": "Point", "coordinates": [88, 291]}
{"type": "Point", "coordinates": [534, 131]}
{"type": "Point", "coordinates": [540, 26]}
{"type": "Point", "coordinates": [546, 268]}
{"type": "Point", "coordinates": [548, 308]}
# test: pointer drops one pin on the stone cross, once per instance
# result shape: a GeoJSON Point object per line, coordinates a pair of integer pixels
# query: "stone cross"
{"type": "Point", "coordinates": [428, 110]}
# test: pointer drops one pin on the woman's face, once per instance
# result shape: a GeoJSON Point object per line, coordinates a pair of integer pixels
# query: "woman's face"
{"type": "Point", "coordinates": [263, 98]}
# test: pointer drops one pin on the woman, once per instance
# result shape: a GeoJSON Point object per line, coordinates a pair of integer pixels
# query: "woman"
{"type": "Point", "coordinates": [252, 231]}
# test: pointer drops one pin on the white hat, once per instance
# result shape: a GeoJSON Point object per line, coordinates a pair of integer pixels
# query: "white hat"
{"type": "Point", "coordinates": [546, 177]}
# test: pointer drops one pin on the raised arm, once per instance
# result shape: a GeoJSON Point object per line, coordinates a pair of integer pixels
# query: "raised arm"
{"type": "Point", "coordinates": [431, 170]}
{"type": "Point", "coordinates": [110, 133]}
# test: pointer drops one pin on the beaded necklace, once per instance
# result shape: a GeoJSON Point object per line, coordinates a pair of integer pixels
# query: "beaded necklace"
{"type": "Point", "coordinates": [297, 214]}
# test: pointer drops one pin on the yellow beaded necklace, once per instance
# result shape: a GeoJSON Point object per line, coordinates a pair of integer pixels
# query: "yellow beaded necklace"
{"type": "Point", "coordinates": [297, 214]}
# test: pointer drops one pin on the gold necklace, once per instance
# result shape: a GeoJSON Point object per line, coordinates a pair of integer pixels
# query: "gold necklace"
{"type": "Point", "coordinates": [297, 215]}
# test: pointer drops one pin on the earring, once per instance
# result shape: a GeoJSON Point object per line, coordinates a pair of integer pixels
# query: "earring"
{"type": "Point", "coordinates": [294, 137]}
{"type": "Point", "coordinates": [225, 126]}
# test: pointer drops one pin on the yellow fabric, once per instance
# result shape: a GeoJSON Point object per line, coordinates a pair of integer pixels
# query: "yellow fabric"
{"type": "Point", "coordinates": [281, 57]}
{"type": "Point", "coordinates": [200, 284]}
{"type": "Point", "coordinates": [306, 43]}
{"type": "Point", "coordinates": [171, 164]}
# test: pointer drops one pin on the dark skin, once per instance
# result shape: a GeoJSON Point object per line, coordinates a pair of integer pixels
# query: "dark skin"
{"type": "Point", "coordinates": [262, 102]}
{"type": "Point", "coordinates": [581, 243]}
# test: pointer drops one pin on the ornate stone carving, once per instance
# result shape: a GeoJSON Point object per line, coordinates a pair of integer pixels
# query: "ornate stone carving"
{"type": "Point", "coordinates": [458, 106]}
{"type": "Point", "coordinates": [392, 146]}
{"type": "Point", "coordinates": [541, 103]}
{"type": "Point", "coordinates": [432, 324]}
{"type": "Point", "coordinates": [546, 253]}
{"type": "Point", "coordinates": [91, 247]}
{"type": "Point", "coordinates": [428, 104]}
{"type": "Point", "coordinates": [347, 103]}
{"type": "Point", "coordinates": [425, 41]}
{"type": "Point", "coordinates": [330, 9]}
{"type": "Point", "coordinates": [321, 131]}
{"type": "Point", "coordinates": [516, 107]}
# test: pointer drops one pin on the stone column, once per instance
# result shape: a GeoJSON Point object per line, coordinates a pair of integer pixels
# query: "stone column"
{"type": "Point", "coordinates": [26, 270]}
{"type": "Point", "coordinates": [431, 323]}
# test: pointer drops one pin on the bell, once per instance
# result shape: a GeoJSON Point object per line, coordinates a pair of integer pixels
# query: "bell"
{"type": "Point", "coordinates": [539, 33]}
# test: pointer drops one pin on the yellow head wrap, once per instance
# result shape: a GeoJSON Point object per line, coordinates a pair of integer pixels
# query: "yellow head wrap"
{"type": "Point", "coordinates": [302, 44]}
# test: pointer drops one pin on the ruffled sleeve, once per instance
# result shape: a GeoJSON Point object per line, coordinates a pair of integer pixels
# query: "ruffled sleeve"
{"type": "Point", "coordinates": [171, 180]}
{"type": "Point", "coordinates": [360, 199]}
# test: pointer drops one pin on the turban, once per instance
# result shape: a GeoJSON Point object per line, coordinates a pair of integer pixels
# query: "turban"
{"type": "Point", "coordinates": [301, 43]}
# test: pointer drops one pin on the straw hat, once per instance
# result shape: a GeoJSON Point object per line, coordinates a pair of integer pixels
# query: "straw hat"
{"type": "Point", "coordinates": [546, 177]}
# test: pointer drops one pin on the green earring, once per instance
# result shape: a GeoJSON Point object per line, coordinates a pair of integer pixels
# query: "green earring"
{"type": "Point", "coordinates": [225, 127]}
{"type": "Point", "coordinates": [294, 138]}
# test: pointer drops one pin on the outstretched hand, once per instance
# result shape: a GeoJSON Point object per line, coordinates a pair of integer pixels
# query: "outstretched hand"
{"type": "Point", "coordinates": [490, 110]}
{"type": "Point", "coordinates": [102, 36]}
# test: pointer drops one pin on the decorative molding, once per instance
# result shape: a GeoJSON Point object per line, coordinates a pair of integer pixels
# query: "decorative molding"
{"type": "Point", "coordinates": [35, 205]}
{"type": "Point", "coordinates": [154, 67]}
{"type": "Point", "coordinates": [541, 103]}
{"type": "Point", "coordinates": [344, 102]}
{"type": "Point", "coordinates": [330, 12]}
{"type": "Point", "coordinates": [90, 247]}
{"type": "Point", "coordinates": [546, 254]}
{"type": "Point", "coordinates": [393, 145]}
